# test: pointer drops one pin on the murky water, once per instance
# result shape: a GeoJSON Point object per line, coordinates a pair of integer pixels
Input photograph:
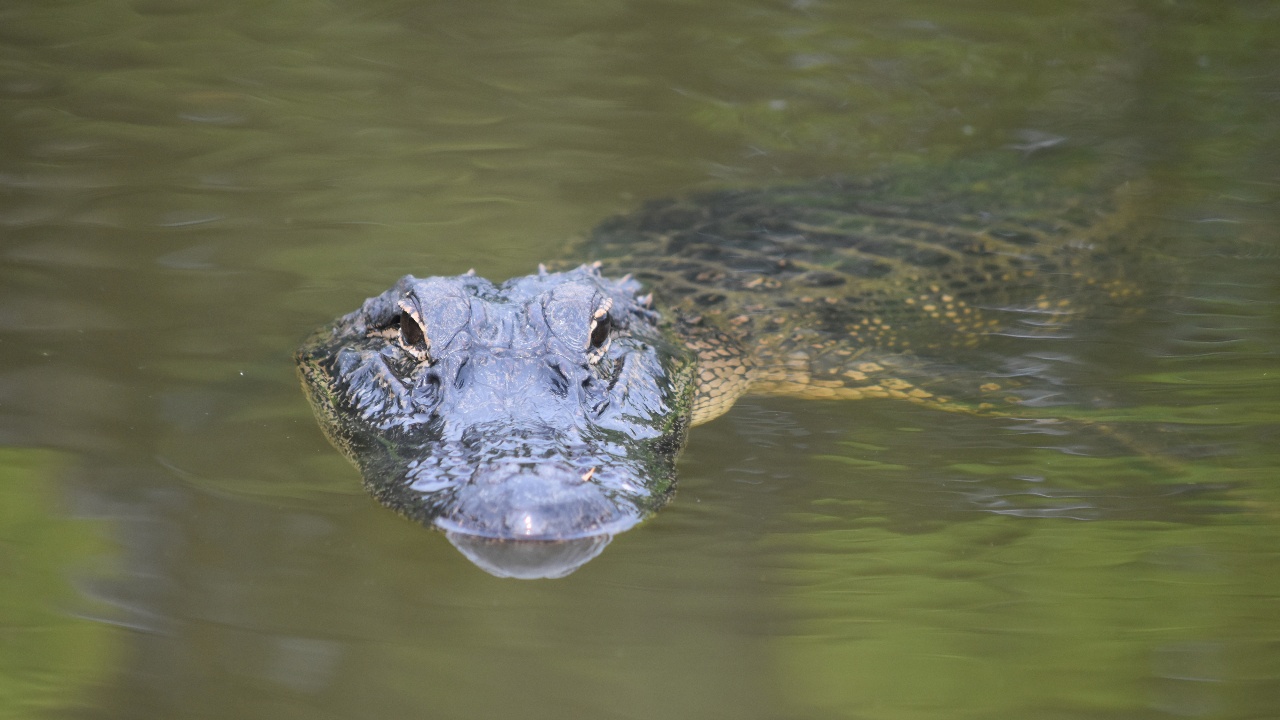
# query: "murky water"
{"type": "Point", "coordinates": [188, 187]}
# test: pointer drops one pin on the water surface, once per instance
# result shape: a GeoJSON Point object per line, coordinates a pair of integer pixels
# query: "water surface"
{"type": "Point", "coordinates": [188, 187]}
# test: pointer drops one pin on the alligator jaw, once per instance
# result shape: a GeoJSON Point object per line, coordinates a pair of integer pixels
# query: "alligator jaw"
{"type": "Point", "coordinates": [547, 501]}
{"type": "Point", "coordinates": [530, 520]}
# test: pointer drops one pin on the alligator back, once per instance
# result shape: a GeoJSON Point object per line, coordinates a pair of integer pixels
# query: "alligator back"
{"type": "Point", "coordinates": [884, 287]}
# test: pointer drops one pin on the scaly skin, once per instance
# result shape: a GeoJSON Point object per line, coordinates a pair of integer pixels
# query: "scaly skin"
{"type": "Point", "coordinates": [547, 413]}
{"type": "Point", "coordinates": [849, 289]}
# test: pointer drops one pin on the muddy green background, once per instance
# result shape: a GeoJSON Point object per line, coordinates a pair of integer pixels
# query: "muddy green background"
{"type": "Point", "coordinates": [188, 187]}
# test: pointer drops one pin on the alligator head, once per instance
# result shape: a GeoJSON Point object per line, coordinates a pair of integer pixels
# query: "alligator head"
{"type": "Point", "coordinates": [530, 421]}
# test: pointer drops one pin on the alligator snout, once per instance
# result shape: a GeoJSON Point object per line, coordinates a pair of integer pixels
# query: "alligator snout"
{"type": "Point", "coordinates": [545, 501]}
{"type": "Point", "coordinates": [533, 521]}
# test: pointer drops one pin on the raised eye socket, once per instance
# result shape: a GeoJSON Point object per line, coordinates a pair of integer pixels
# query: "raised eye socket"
{"type": "Point", "coordinates": [410, 331]}
{"type": "Point", "coordinates": [600, 331]}
{"type": "Point", "coordinates": [412, 337]}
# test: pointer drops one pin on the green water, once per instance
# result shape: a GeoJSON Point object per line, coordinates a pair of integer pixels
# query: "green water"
{"type": "Point", "coordinates": [188, 187]}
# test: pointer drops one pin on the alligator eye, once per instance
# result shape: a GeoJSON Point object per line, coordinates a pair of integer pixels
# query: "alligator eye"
{"type": "Point", "coordinates": [600, 331]}
{"type": "Point", "coordinates": [412, 337]}
{"type": "Point", "coordinates": [410, 331]}
{"type": "Point", "coordinates": [600, 326]}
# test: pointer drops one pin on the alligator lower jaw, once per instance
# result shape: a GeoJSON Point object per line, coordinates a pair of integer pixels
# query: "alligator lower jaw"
{"type": "Point", "coordinates": [528, 559]}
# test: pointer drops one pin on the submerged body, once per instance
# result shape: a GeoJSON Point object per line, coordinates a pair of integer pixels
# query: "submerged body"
{"type": "Point", "coordinates": [533, 420]}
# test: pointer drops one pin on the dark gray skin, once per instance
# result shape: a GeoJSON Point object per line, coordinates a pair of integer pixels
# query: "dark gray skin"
{"type": "Point", "coordinates": [530, 421]}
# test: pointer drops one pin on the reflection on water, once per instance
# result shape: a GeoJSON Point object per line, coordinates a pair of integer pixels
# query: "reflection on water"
{"type": "Point", "coordinates": [188, 187]}
{"type": "Point", "coordinates": [529, 560]}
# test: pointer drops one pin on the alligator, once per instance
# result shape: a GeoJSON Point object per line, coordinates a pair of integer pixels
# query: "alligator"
{"type": "Point", "coordinates": [533, 420]}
